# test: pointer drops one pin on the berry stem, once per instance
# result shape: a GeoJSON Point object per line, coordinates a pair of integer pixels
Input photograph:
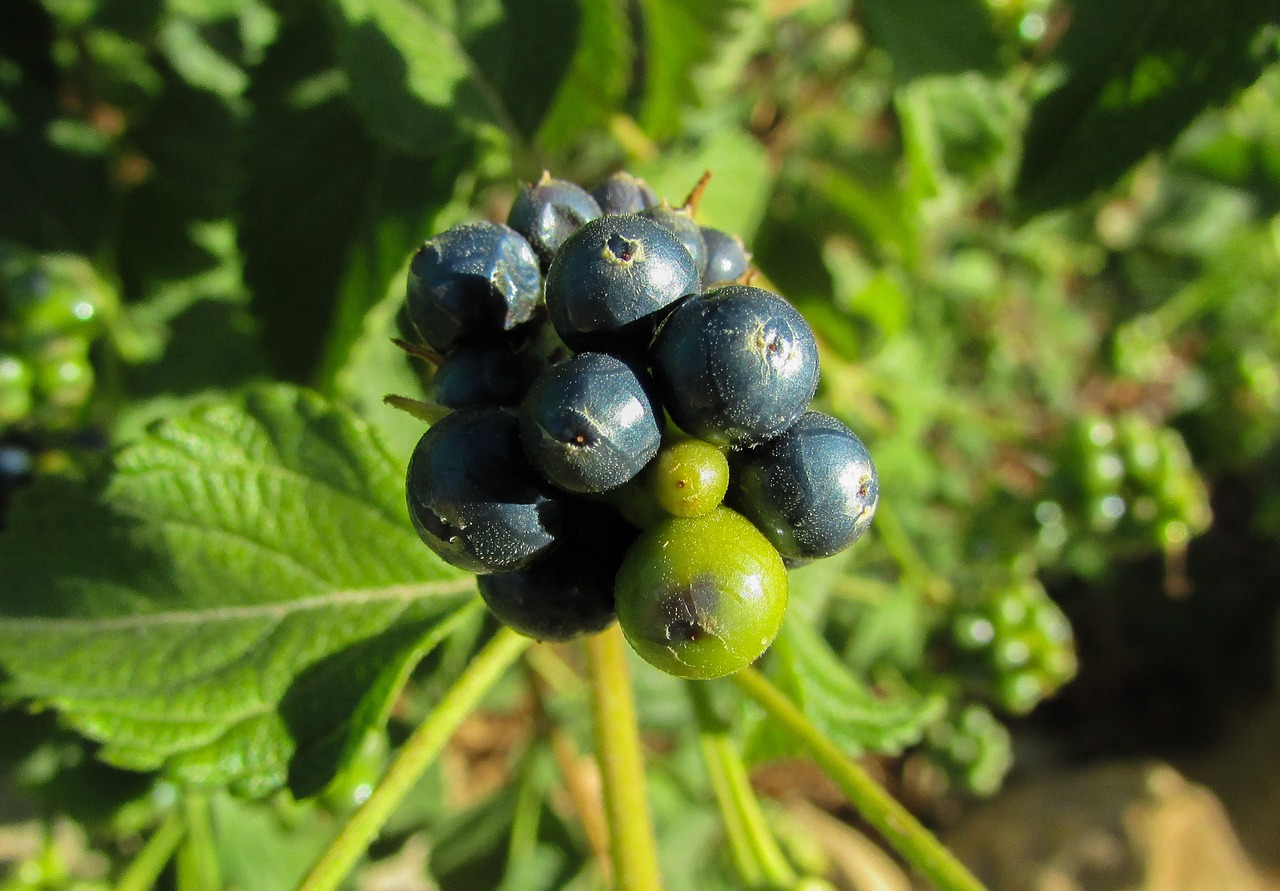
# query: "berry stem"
{"type": "Point", "coordinates": [893, 821]}
{"type": "Point", "coordinates": [631, 840]}
{"type": "Point", "coordinates": [755, 852]}
{"type": "Point", "coordinates": [197, 861]}
{"type": "Point", "coordinates": [144, 870]}
{"type": "Point", "coordinates": [415, 756]}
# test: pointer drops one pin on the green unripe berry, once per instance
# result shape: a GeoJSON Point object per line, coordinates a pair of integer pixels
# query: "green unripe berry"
{"type": "Point", "coordinates": [16, 384]}
{"type": "Point", "coordinates": [688, 478]}
{"type": "Point", "coordinates": [701, 597]}
{"type": "Point", "coordinates": [64, 375]}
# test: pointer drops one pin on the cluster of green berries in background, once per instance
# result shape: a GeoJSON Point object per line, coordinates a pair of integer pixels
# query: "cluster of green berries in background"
{"type": "Point", "coordinates": [623, 426]}
{"type": "Point", "coordinates": [972, 748]}
{"type": "Point", "coordinates": [1123, 482]}
{"type": "Point", "coordinates": [52, 309]}
{"type": "Point", "coordinates": [1015, 647]}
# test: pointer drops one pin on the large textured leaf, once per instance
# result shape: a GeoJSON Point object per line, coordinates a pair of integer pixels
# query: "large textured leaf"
{"type": "Point", "coordinates": [925, 37]}
{"type": "Point", "coordinates": [837, 702]}
{"type": "Point", "coordinates": [238, 605]}
{"type": "Point", "coordinates": [1136, 74]}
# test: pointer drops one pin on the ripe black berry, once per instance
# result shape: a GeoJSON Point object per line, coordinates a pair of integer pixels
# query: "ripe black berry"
{"type": "Point", "coordinates": [735, 366]}
{"type": "Point", "coordinates": [613, 277]}
{"type": "Point", "coordinates": [623, 193]}
{"type": "Point", "coordinates": [473, 497]}
{"type": "Point", "coordinates": [812, 491]}
{"type": "Point", "coordinates": [589, 424]}
{"type": "Point", "coordinates": [726, 258]}
{"type": "Point", "coordinates": [471, 284]}
{"type": "Point", "coordinates": [569, 592]}
{"type": "Point", "coordinates": [548, 212]}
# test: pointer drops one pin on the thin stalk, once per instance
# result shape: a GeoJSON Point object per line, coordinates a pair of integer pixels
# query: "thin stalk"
{"type": "Point", "coordinates": [198, 867]}
{"type": "Point", "coordinates": [144, 870]}
{"type": "Point", "coordinates": [877, 807]}
{"type": "Point", "coordinates": [755, 852]}
{"type": "Point", "coordinates": [632, 848]}
{"type": "Point", "coordinates": [415, 756]}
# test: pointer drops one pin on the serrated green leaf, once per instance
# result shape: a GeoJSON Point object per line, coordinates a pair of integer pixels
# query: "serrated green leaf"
{"type": "Point", "coordinates": [1135, 75]}
{"type": "Point", "coordinates": [804, 666]}
{"type": "Point", "coordinates": [239, 604]}
{"type": "Point", "coordinates": [925, 37]}
{"type": "Point", "coordinates": [685, 52]}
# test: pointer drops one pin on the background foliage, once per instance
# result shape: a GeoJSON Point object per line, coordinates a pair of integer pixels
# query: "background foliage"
{"type": "Point", "coordinates": [1040, 247]}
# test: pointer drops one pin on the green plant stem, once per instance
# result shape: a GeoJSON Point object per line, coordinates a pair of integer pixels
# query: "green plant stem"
{"type": "Point", "coordinates": [144, 870]}
{"type": "Point", "coordinates": [893, 821]}
{"type": "Point", "coordinates": [632, 849]}
{"type": "Point", "coordinates": [419, 750]}
{"type": "Point", "coordinates": [756, 853]}
{"type": "Point", "coordinates": [198, 867]}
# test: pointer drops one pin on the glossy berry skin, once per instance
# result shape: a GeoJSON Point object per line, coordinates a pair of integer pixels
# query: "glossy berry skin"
{"type": "Point", "coordinates": [726, 258]}
{"type": "Point", "coordinates": [548, 212]}
{"type": "Point", "coordinates": [680, 223]}
{"type": "Point", "coordinates": [811, 491]}
{"type": "Point", "coordinates": [688, 478]}
{"type": "Point", "coordinates": [473, 497]}
{"type": "Point", "coordinates": [623, 193]}
{"type": "Point", "coordinates": [589, 424]}
{"type": "Point", "coordinates": [701, 597]}
{"type": "Point", "coordinates": [484, 374]}
{"type": "Point", "coordinates": [472, 284]}
{"type": "Point", "coordinates": [613, 278]}
{"type": "Point", "coordinates": [736, 366]}
{"type": "Point", "coordinates": [568, 593]}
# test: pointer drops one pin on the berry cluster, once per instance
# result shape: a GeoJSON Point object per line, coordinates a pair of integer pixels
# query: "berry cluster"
{"type": "Point", "coordinates": [1124, 482]}
{"type": "Point", "coordinates": [1017, 644]}
{"type": "Point", "coordinates": [609, 385]}
{"type": "Point", "coordinates": [52, 308]}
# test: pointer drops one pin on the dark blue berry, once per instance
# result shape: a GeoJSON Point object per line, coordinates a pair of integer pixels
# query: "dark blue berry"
{"type": "Point", "coordinates": [548, 212]}
{"type": "Point", "coordinates": [812, 491]}
{"type": "Point", "coordinates": [680, 223]}
{"type": "Point", "coordinates": [612, 279]}
{"type": "Point", "coordinates": [470, 284]}
{"type": "Point", "coordinates": [569, 592]}
{"type": "Point", "coordinates": [726, 258]}
{"type": "Point", "coordinates": [589, 423]}
{"type": "Point", "coordinates": [735, 366]}
{"type": "Point", "coordinates": [623, 193]}
{"type": "Point", "coordinates": [484, 374]}
{"type": "Point", "coordinates": [473, 497]}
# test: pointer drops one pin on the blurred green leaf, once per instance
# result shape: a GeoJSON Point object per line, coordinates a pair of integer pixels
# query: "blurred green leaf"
{"type": "Point", "coordinates": [240, 604]}
{"type": "Point", "coordinates": [925, 37]}
{"type": "Point", "coordinates": [686, 46]}
{"type": "Point", "coordinates": [596, 83]}
{"type": "Point", "coordinates": [1134, 75]}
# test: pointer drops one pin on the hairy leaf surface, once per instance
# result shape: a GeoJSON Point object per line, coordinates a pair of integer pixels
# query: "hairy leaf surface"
{"type": "Point", "coordinates": [238, 604]}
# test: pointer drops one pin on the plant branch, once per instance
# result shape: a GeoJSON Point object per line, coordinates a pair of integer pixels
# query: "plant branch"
{"type": "Point", "coordinates": [415, 756]}
{"type": "Point", "coordinates": [631, 841]}
{"type": "Point", "coordinates": [144, 870]}
{"type": "Point", "coordinates": [756, 854]}
{"type": "Point", "coordinates": [877, 807]}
